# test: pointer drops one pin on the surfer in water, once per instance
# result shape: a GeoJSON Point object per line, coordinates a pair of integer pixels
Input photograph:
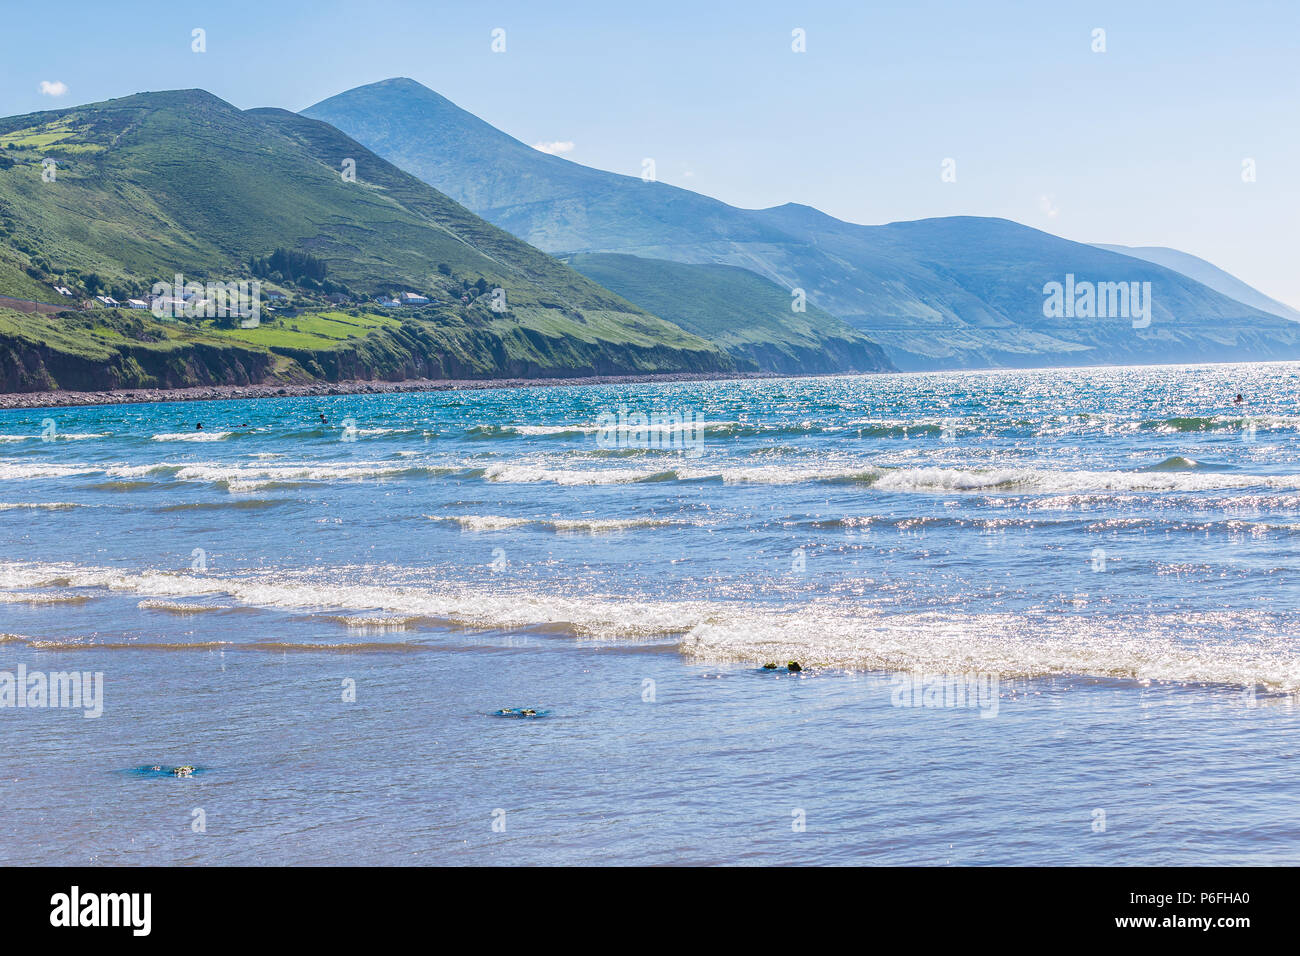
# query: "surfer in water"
{"type": "Point", "coordinates": [323, 419]}
{"type": "Point", "coordinates": [198, 426]}
{"type": "Point", "coordinates": [1238, 400]}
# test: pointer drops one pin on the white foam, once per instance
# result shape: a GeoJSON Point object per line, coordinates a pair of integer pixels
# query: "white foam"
{"type": "Point", "coordinates": [249, 477]}
{"type": "Point", "coordinates": [192, 436]}
{"type": "Point", "coordinates": [537, 430]}
{"type": "Point", "coordinates": [496, 608]}
{"type": "Point", "coordinates": [611, 428]}
{"type": "Point", "coordinates": [38, 506]}
{"type": "Point", "coordinates": [16, 470]}
{"type": "Point", "coordinates": [1047, 481]}
{"type": "Point", "coordinates": [537, 474]}
{"type": "Point", "coordinates": [1230, 647]}
{"type": "Point", "coordinates": [926, 480]}
{"type": "Point", "coordinates": [483, 522]}
{"type": "Point", "coordinates": [177, 607]}
{"type": "Point", "coordinates": [1189, 647]}
{"type": "Point", "coordinates": [55, 436]}
{"type": "Point", "coordinates": [558, 525]}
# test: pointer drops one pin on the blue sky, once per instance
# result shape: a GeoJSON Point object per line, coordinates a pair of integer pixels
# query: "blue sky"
{"type": "Point", "coordinates": [1140, 145]}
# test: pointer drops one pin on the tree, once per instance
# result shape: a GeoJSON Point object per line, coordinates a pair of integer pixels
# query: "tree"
{"type": "Point", "coordinates": [289, 263]}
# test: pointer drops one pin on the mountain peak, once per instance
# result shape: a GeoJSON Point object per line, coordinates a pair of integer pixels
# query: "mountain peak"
{"type": "Point", "coordinates": [799, 213]}
{"type": "Point", "coordinates": [403, 87]}
{"type": "Point", "coordinates": [168, 98]}
{"type": "Point", "coordinates": [942, 292]}
{"type": "Point", "coordinates": [403, 83]}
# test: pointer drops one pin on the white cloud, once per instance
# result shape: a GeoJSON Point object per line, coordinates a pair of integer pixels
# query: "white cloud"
{"type": "Point", "coordinates": [1048, 207]}
{"type": "Point", "coordinates": [555, 149]}
{"type": "Point", "coordinates": [55, 88]}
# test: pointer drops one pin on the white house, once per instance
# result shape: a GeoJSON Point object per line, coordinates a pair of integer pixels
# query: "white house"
{"type": "Point", "coordinates": [167, 305]}
{"type": "Point", "coordinates": [136, 304]}
{"type": "Point", "coordinates": [107, 300]}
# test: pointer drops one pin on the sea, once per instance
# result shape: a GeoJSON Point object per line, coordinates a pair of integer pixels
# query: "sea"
{"type": "Point", "coordinates": [959, 618]}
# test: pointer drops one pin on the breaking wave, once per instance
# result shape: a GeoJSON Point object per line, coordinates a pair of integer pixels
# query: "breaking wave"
{"type": "Point", "coordinates": [1174, 475]}
{"type": "Point", "coordinates": [179, 607]}
{"type": "Point", "coordinates": [1243, 648]}
{"type": "Point", "coordinates": [192, 436]}
{"type": "Point", "coordinates": [557, 525]}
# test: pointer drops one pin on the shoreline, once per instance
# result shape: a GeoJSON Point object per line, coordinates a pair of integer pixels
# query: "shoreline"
{"type": "Point", "coordinates": [219, 393]}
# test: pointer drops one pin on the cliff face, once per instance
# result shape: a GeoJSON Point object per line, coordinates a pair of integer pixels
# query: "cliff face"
{"type": "Point", "coordinates": [39, 353]}
{"type": "Point", "coordinates": [397, 356]}
{"type": "Point", "coordinates": [27, 366]}
{"type": "Point", "coordinates": [829, 355]}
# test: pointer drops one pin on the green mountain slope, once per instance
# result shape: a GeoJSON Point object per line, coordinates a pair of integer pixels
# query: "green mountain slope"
{"type": "Point", "coordinates": [159, 183]}
{"type": "Point", "coordinates": [940, 293]}
{"type": "Point", "coordinates": [750, 317]}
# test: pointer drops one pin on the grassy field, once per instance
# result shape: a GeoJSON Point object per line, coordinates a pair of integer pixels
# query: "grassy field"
{"type": "Point", "coordinates": [308, 331]}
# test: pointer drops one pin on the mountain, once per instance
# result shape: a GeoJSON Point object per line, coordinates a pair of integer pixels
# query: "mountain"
{"type": "Point", "coordinates": [497, 174]}
{"type": "Point", "coordinates": [563, 206]}
{"type": "Point", "coordinates": [155, 184]}
{"type": "Point", "coordinates": [1207, 274]}
{"type": "Point", "coordinates": [751, 318]}
{"type": "Point", "coordinates": [937, 293]}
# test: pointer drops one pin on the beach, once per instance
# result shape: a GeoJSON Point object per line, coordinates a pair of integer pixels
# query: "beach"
{"type": "Point", "coordinates": [1039, 617]}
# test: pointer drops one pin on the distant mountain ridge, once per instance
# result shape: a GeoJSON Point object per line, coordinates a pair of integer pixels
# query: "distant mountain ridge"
{"type": "Point", "coordinates": [750, 317]}
{"type": "Point", "coordinates": [939, 293]}
{"type": "Point", "coordinates": [1208, 274]}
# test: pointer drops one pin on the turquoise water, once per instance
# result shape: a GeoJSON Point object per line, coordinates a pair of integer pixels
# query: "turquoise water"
{"type": "Point", "coordinates": [1041, 617]}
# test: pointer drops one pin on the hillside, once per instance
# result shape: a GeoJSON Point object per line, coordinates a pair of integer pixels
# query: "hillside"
{"type": "Point", "coordinates": [118, 349]}
{"type": "Point", "coordinates": [1207, 274]}
{"type": "Point", "coordinates": [750, 317]}
{"type": "Point", "coordinates": [181, 182]}
{"type": "Point", "coordinates": [939, 293]}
